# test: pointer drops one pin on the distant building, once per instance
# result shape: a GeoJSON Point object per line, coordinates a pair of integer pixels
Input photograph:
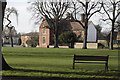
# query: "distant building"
{"type": "Point", "coordinates": [26, 37]}
{"type": "Point", "coordinates": [117, 37]}
{"type": "Point", "coordinates": [105, 40]}
{"type": "Point", "coordinates": [46, 36]}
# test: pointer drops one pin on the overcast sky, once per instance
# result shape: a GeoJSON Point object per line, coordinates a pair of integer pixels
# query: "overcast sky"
{"type": "Point", "coordinates": [25, 24]}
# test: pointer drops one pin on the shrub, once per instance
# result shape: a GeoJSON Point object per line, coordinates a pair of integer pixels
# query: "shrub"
{"type": "Point", "coordinates": [67, 38]}
{"type": "Point", "coordinates": [101, 46]}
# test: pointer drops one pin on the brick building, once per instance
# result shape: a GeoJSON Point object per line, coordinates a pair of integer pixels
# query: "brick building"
{"type": "Point", "coordinates": [46, 37]}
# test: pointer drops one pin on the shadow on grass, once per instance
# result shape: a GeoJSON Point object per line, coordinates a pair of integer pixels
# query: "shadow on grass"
{"type": "Point", "coordinates": [99, 73]}
{"type": "Point", "coordinates": [49, 78]}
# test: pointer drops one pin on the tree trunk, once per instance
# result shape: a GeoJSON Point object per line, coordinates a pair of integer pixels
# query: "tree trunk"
{"type": "Point", "coordinates": [86, 26]}
{"type": "Point", "coordinates": [11, 36]}
{"type": "Point", "coordinates": [11, 41]}
{"type": "Point", "coordinates": [56, 34]}
{"type": "Point", "coordinates": [108, 43]}
{"type": "Point", "coordinates": [113, 24]}
{"type": "Point", "coordinates": [71, 45]}
{"type": "Point", "coordinates": [2, 43]}
{"type": "Point", "coordinates": [111, 36]}
{"type": "Point", "coordinates": [5, 66]}
{"type": "Point", "coordinates": [85, 35]}
{"type": "Point", "coordinates": [85, 39]}
{"type": "Point", "coordinates": [56, 41]}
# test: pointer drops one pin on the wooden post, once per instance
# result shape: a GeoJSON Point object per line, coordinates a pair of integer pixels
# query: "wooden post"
{"type": "Point", "coordinates": [106, 65]}
{"type": "Point", "coordinates": [74, 62]}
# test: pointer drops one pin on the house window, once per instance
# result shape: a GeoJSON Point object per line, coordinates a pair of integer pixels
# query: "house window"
{"type": "Point", "coordinates": [43, 40]}
{"type": "Point", "coordinates": [81, 33]}
{"type": "Point", "coordinates": [43, 30]}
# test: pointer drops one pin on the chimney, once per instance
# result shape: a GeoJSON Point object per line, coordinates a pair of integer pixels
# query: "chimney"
{"type": "Point", "coordinates": [83, 17]}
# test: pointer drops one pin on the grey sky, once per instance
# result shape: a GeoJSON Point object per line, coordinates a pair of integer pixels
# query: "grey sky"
{"type": "Point", "coordinates": [25, 24]}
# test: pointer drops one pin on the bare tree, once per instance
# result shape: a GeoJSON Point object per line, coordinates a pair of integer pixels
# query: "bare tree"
{"type": "Point", "coordinates": [5, 66]}
{"type": "Point", "coordinates": [88, 9]}
{"type": "Point", "coordinates": [8, 13]}
{"type": "Point", "coordinates": [112, 10]}
{"type": "Point", "coordinates": [7, 32]}
{"type": "Point", "coordinates": [52, 11]}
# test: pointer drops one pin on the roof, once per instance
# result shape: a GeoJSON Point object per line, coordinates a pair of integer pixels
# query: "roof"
{"type": "Point", "coordinates": [44, 23]}
{"type": "Point", "coordinates": [66, 25]}
{"type": "Point", "coordinates": [76, 26]}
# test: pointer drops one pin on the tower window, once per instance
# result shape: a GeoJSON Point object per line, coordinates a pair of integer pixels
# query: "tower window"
{"type": "Point", "coordinates": [43, 40]}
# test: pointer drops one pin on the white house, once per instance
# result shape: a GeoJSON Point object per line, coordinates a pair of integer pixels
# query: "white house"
{"type": "Point", "coordinates": [92, 33]}
{"type": "Point", "coordinates": [91, 36]}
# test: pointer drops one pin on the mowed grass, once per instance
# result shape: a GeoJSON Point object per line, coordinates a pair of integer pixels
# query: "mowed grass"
{"type": "Point", "coordinates": [50, 62]}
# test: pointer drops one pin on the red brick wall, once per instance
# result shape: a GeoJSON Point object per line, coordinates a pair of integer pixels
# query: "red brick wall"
{"type": "Point", "coordinates": [49, 36]}
{"type": "Point", "coordinates": [46, 35]}
{"type": "Point", "coordinates": [78, 33]}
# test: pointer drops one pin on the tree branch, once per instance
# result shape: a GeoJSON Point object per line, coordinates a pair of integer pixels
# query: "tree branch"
{"type": "Point", "coordinates": [81, 3]}
{"type": "Point", "coordinates": [106, 12]}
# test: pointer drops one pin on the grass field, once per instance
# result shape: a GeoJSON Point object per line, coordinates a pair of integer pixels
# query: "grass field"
{"type": "Point", "coordinates": [46, 62]}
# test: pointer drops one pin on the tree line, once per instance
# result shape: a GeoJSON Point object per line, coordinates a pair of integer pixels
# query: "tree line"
{"type": "Point", "coordinates": [54, 11]}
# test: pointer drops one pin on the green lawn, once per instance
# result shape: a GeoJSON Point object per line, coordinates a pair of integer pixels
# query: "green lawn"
{"type": "Point", "coordinates": [44, 62]}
